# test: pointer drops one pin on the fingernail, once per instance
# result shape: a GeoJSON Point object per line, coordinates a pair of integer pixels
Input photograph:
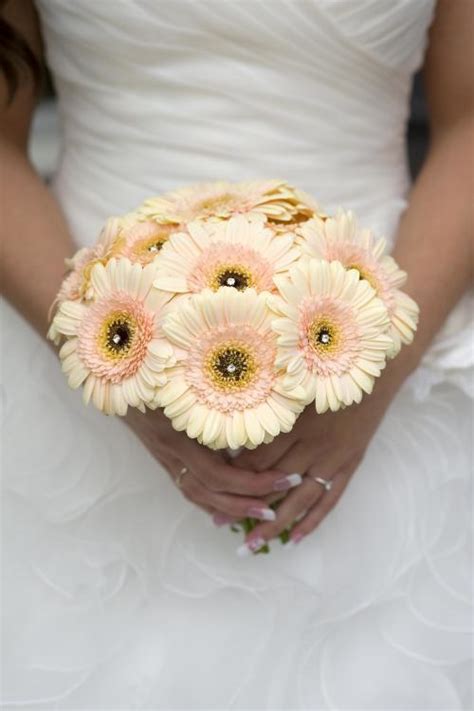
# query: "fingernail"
{"type": "Point", "coordinates": [222, 519]}
{"type": "Point", "coordinates": [294, 540]}
{"type": "Point", "coordinates": [287, 482]}
{"type": "Point", "coordinates": [250, 546]}
{"type": "Point", "coordinates": [261, 513]}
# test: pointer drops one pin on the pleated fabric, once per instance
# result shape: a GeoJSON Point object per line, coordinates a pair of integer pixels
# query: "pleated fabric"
{"type": "Point", "coordinates": [118, 594]}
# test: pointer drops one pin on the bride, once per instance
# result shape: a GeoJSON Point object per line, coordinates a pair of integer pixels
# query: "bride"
{"type": "Point", "coordinates": [122, 587]}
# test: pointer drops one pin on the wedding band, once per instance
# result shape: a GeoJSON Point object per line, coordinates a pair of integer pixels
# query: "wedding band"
{"type": "Point", "coordinates": [327, 483]}
{"type": "Point", "coordinates": [180, 476]}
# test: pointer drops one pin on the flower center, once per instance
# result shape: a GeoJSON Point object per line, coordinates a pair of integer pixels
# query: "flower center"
{"type": "Point", "coordinates": [235, 276]}
{"type": "Point", "coordinates": [366, 275]}
{"type": "Point", "coordinates": [323, 336]}
{"type": "Point", "coordinates": [231, 366]}
{"type": "Point", "coordinates": [115, 338]}
{"type": "Point", "coordinates": [150, 246]}
{"type": "Point", "coordinates": [216, 204]}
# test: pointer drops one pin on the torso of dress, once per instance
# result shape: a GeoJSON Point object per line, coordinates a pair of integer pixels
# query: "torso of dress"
{"type": "Point", "coordinates": [154, 94]}
{"type": "Point", "coordinates": [119, 593]}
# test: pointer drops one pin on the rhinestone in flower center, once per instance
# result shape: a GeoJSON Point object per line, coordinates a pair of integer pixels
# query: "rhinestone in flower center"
{"type": "Point", "coordinates": [231, 366]}
{"type": "Point", "coordinates": [234, 276]}
{"type": "Point", "coordinates": [116, 335]}
{"type": "Point", "coordinates": [151, 246]}
{"type": "Point", "coordinates": [323, 336]}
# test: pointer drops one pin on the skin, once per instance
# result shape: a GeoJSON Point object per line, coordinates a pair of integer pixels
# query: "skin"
{"type": "Point", "coordinates": [433, 245]}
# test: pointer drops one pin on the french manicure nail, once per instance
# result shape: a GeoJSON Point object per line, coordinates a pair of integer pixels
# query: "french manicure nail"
{"type": "Point", "coordinates": [287, 482]}
{"type": "Point", "coordinates": [295, 539]}
{"type": "Point", "coordinates": [261, 513]}
{"type": "Point", "coordinates": [255, 543]}
{"type": "Point", "coordinates": [222, 519]}
{"type": "Point", "coordinates": [250, 546]}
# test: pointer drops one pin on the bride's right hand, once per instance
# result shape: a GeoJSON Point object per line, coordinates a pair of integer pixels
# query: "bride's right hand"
{"type": "Point", "coordinates": [227, 492]}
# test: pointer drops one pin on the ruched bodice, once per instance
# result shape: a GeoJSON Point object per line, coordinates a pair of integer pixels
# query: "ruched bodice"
{"type": "Point", "coordinates": [157, 94]}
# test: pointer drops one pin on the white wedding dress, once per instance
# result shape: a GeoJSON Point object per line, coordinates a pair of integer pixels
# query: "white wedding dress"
{"type": "Point", "coordinates": [118, 593]}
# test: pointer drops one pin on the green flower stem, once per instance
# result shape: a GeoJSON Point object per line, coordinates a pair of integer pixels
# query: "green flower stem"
{"type": "Point", "coordinates": [246, 525]}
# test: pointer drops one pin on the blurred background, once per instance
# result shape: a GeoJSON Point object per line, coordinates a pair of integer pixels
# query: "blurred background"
{"type": "Point", "coordinates": [45, 139]}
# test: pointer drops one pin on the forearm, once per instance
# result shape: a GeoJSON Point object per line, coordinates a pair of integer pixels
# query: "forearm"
{"type": "Point", "coordinates": [34, 237]}
{"type": "Point", "coordinates": [434, 243]}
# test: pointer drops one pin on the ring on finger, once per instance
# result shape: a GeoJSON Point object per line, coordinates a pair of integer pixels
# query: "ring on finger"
{"type": "Point", "coordinates": [178, 480]}
{"type": "Point", "coordinates": [326, 483]}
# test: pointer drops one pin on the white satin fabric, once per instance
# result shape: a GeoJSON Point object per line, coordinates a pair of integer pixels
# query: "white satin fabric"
{"type": "Point", "coordinates": [118, 593]}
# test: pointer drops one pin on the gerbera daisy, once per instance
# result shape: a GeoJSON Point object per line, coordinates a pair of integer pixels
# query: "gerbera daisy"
{"type": "Point", "coordinates": [113, 345]}
{"type": "Point", "coordinates": [239, 253]}
{"type": "Point", "coordinates": [273, 198]}
{"type": "Point", "coordinates": [339, 238]}
{"type": "Point", "coordinates": [76, 286]}
{"type": "Point", "coordinates": [142, 240]}
{"type": "Point", "coordinates": [225, 390]}
{"type": "Point", "coordinates": [306, 208]}
{"type": "Point", "coordinates": [332, 332]}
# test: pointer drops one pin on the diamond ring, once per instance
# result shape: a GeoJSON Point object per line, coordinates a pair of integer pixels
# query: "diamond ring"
{"type": "Point", "coordinates": [327, 483]}
{"type": "Point", "coordinates": [180, 476]}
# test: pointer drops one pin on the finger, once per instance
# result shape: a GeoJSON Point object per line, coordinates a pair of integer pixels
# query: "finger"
{"type": "Point", "coordinates": [297, 460]}
{"type": "Point", "coordinates": [294, 504]}
{"type": "Point", "coordinates": [171, 464]}
{"type": "Point", "coordinates": [219, 476]}
{"type": "Point", "coordinates": [230, 504]}
{"type": "Point", "coordinates": [320, 510]}
{"type": "Point", "coordinates": [223, 519]}
{"type": "Point", "coordinates": [188, 494]}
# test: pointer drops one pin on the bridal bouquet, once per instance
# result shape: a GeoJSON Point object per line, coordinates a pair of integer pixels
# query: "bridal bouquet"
{"type": "Point", "coordinates": [231, 306]}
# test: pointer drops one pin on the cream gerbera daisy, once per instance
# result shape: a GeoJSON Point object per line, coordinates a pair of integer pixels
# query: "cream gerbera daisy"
{"type": "Point", "coordinates": [142, 240]}
{"type": "Point", "coordinates": [306, 208]}
{"type": "Point", "coordinates": [273, 198]}
{"type": "Point", "coordinates": [225, 390]}
{"type": "Point", "coordinates": [76, 285]}
{"type": "Point", "coordinates": [113, 345]}
{"type": "Point", "coordinates": [339, 238]}
{"type": "Point", "coordinates": [239, 253]}
{"type": "Point", "coordinates": [332, 332]}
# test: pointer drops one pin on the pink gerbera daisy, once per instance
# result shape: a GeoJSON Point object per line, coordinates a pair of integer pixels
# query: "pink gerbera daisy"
{"type": "Point", "coordinates": [273, 198]}
{"type": "Point", "coordinates": [114, 344]}
{"type": "Point", "coordinates": [142, 240]}
{"type": "Point", "coordinates": [239, 253]}
{"type": "Point", "coordinates": [332, 332]}
{"type": "Point", "coordinates": [339, 238]}
{"type": "Point", "coordinates": [77, 286]}
{"type": "Point", "coordinates": [225, 390]}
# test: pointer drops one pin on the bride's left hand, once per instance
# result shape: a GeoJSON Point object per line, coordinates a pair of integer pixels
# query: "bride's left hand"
{"type": "Point", "coordinates": [330, 446]}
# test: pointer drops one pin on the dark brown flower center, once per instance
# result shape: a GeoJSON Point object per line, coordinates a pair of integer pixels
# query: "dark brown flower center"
{"type": "Point", "coordinates": [119, 336]}
{"type": "Point", "coordinates": [231, 366]}
{"type": "Point", "coordinates": [235, 279]}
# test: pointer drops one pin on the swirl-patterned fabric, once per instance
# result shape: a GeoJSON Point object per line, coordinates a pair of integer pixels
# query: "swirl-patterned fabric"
{"type": "Point", "coordinates": [118, 593]}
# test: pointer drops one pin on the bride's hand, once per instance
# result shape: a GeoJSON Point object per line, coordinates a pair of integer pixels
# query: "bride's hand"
{"type": "Point", "coordinates": [227, 492]}
{"type": "Point", "coordinates": [329, 446]}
